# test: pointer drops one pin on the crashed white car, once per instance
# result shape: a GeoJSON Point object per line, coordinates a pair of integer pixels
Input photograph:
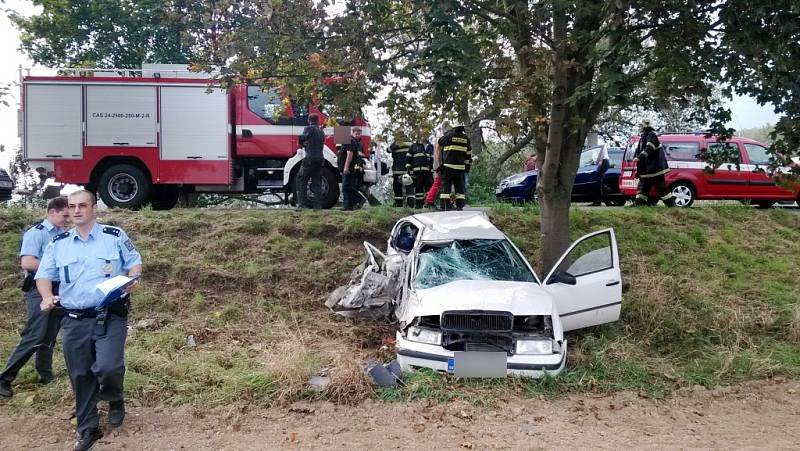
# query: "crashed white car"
{"type": "Point", "coordinates": [467, 301]}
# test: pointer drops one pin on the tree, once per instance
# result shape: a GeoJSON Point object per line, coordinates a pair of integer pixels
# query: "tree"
{"type": "Point", "coordinates": [106, 33]}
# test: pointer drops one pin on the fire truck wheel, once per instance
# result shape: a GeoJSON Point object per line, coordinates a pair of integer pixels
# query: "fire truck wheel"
{"type": "Point", "coordinates": [164, 197]}
{"type": "Point", "coordinates": [330, 189]}
{"type": "Point", "coordinates": [124, 186]}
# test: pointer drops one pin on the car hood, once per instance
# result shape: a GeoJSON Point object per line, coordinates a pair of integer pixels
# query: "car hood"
{"type": "Point", "coordinates": [519, 298]}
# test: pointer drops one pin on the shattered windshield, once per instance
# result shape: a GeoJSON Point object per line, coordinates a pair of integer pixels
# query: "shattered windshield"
{"type": "Point", "coordinates": [439, 264]}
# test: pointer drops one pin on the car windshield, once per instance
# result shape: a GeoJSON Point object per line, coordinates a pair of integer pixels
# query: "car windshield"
{"type": "Point", "coordinates": [439, 264]}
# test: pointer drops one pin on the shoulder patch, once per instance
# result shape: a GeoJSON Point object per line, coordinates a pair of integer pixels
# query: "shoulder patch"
{"type": "Point", "coordinates": [111, 230]}
{"type": "Point", "coordinates": [60, 235]}
{"type": "Point", "coordinates": [39, 226]}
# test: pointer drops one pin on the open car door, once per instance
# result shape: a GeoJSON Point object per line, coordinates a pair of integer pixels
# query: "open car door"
{"type": "Point", "coordinates": [586, 283]}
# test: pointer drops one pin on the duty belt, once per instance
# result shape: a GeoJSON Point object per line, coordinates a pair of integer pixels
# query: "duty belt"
{"type": "Point", "coordinates": [82, 313]}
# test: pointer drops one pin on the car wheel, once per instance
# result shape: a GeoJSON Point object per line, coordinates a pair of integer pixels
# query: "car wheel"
{"type": "Point", "coordinates": [683, 194]}
{"type": "Point", "coordinates": [532, 196]}
{"type": "Point", "coordinates": [764, 204]}
{"type": "Point", "coordinates": [124, 186]}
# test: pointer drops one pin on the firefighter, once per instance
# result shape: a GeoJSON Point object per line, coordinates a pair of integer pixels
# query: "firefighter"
{"type": "Point", "coordinates": [41, 328]}
{"type": "Point", "coordinates": [312, 139]}
{"type": "Point", "coordinates": [399, 150]}
{"type": "Point", "coordinates": [352, 169]}
{"type": "Point", "coordinates": [93, 335]}
{"type": "Point", "coordinates": [651, 166]}
{"type": "Point", "coordinates": [456, 159]}
{"type": "Point", "coordinates": [420, 165]}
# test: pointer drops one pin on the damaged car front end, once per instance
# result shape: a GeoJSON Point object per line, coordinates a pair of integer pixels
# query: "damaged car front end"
{"type": "Point", "coordinates": [468, 303]}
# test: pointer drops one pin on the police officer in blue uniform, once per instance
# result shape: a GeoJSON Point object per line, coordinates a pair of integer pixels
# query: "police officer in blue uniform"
{"type": "Point", "coordinates": [41, 328]}
{"type": "Point", "coordinates": [93, 336]}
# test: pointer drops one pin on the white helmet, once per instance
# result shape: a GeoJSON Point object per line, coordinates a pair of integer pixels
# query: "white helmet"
{"type": "Point", "coordinates": [407, 180]}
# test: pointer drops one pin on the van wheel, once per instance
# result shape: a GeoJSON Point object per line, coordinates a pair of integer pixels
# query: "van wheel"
{"type": "Point", "coordinates": [124, 186]}
{"type": "Point", "coordinates": [683, 193]}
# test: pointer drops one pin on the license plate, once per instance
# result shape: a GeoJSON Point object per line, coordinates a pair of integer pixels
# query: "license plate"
{"type": "Point", "coordinates": [478, 364]}
{"type": "Point", "coordinates": [630, 183]}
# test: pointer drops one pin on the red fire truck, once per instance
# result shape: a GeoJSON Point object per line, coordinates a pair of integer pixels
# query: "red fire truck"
{"type": "Point", "coordinates": [145, 136]}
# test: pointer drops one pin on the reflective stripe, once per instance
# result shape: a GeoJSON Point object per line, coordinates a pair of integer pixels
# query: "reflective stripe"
{"type": "Point", "coordinates": [656, 174]}
{"type": "Point", "coordinates": [401, 150]}
{"type": "Point", "coordinates": [460, 167]}
{"type": "Point", "coordinates": [651, 145]}
{"type": "Point", "coordinates": [455, 147]}
{"type": "Point", "coordinates": [422, 168]}
{"type": "Point", "coordinates": [456, 139]}
{"type": "Point", "coordinates": [461, 196]}
{"type": "Point", "coordinates": [444, 196]}
{"type": "Point", "coordinates": [398, 172]}
{"type": "Point", "coordinates": [643, 154]}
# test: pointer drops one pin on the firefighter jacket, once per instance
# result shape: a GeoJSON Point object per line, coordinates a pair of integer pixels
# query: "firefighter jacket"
{"type": "Point", "coordinates": [418, 159]}
{"type": "Point", "coordinates": [399, 157]}
{"type": "Point", "coordinates": [456, 149]}
{"type": "Point", "coordinates": [652, 159]}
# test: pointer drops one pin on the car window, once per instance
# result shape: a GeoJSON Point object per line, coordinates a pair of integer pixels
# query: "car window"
{"type": "Point", "coordinates": [682, 151]}
{"type": "Point", "coordinates": [616, 157]}
{"type": "Point", "coordinates": [588, 157]}
{"type": "Point", "coordinates": [758, 154]}
{"type": "Point", "coordinates": [731, 151]}
{"type": "Point", "coordinates": [470, 260]}
{"type": "Point", "coordinates": [589, 256]}
{"type": "Point", "coordinates": [405, 237]}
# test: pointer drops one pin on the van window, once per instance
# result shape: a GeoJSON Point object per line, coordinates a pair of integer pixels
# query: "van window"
{"type": "Point", "coordinates": [731, 152]}
{"type": "Point", "coordinates": [758, 154]}
{"type": "Point", "coordinates": [682, 151]}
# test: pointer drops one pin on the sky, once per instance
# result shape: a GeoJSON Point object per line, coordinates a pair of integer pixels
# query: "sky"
{"type": "Point", "coordinates": [746, 112]}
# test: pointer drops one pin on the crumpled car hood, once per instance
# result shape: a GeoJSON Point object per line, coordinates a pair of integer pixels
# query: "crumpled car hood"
{"type": "Point", "coordinates": [519, 298]}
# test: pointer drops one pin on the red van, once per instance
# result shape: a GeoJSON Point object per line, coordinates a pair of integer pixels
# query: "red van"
{"type": "Point", "coordinates": [689, 181]}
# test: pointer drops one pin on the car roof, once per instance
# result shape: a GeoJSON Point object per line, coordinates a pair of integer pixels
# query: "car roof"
{"type": "Point", "coordinates": [457, 225]}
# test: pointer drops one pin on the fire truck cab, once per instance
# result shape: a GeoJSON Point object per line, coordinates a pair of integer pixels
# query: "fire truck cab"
{"type": "Point", "coordinates": [145, 136]}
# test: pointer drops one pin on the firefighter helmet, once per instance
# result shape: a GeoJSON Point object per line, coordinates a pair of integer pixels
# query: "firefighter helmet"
{"type": "Point", "coordinates": [407, 180]}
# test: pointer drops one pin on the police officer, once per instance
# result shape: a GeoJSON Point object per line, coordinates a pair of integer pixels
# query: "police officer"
{"type": "Point", "coordinates": [456, 159]}
{"type": "Point", "coordinates": [420, 165]}
{"type": "Point", "coordinates": [651, 166]}
{"type": "Point", "coordinates": [93, 336]}
{"type": "Point", "coordinates": [399, 150]}
{"type": "Point", "coordinates": [312, 140]}
{"type": "Point", "coordinates": [41, 328]}
{"type": "Point", "coordinates": [352, 170]}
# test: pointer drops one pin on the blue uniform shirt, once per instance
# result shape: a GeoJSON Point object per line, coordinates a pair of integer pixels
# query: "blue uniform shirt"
{"type": "Point", "coordinates": [81, 265]}
{"type": "Point", "coordinates": [36, 239]}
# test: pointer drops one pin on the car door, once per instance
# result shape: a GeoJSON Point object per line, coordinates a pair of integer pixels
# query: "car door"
{"type": "Point", "coordinates": [586, 283]}
{"type": "Point", "coordinates": [728, 181]}
{"type": "Point", "coordinates": [586, 178]}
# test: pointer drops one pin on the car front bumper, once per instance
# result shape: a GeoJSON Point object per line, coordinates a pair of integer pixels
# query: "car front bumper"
{"type": "Point", "coordinates": [412, 355]}
{"type": "Point", "coordinates": [511, 192]}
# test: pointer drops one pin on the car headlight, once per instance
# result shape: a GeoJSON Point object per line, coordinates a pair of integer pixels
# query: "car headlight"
{"type": "Point", "coordinates": [535, 347]}
{"type": "Point", "coordinates": [426, 336]}
{"type": "Point", "coordinates": [515, 179]}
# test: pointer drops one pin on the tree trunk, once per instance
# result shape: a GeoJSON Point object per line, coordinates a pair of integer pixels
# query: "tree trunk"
{"type": "Point", "coordinates": [471, 126]}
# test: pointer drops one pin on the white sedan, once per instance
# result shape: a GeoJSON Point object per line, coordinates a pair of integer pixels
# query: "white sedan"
{"type": "Point", "coordinates": [467, 302]}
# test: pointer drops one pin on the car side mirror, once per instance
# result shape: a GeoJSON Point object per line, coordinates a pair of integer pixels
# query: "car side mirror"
{"type": "Point", "coordinates": [562, 277]}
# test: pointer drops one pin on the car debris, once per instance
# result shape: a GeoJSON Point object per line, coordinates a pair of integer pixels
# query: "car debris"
{"type": "Point", "coordinates": [468, 303]}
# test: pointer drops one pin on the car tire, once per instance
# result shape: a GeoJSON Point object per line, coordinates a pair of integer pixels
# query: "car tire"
{"type": "Point", "coordinates": [532, 196]}
{"type": "Point", "coordinates": [684, 194]}
{"type": "Point", "coordinates": [124, 186]}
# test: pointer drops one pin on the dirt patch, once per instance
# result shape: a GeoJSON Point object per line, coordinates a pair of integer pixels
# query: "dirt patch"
{"type": "Point", "coordinates": [762, 415]}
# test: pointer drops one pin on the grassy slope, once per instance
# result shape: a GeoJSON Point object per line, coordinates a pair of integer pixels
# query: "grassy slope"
{"type": "Point", "coordinates": [711, 297]}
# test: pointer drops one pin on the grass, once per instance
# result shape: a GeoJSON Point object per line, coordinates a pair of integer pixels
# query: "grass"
{"type": "Point", "coordinates": [710, 298]}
